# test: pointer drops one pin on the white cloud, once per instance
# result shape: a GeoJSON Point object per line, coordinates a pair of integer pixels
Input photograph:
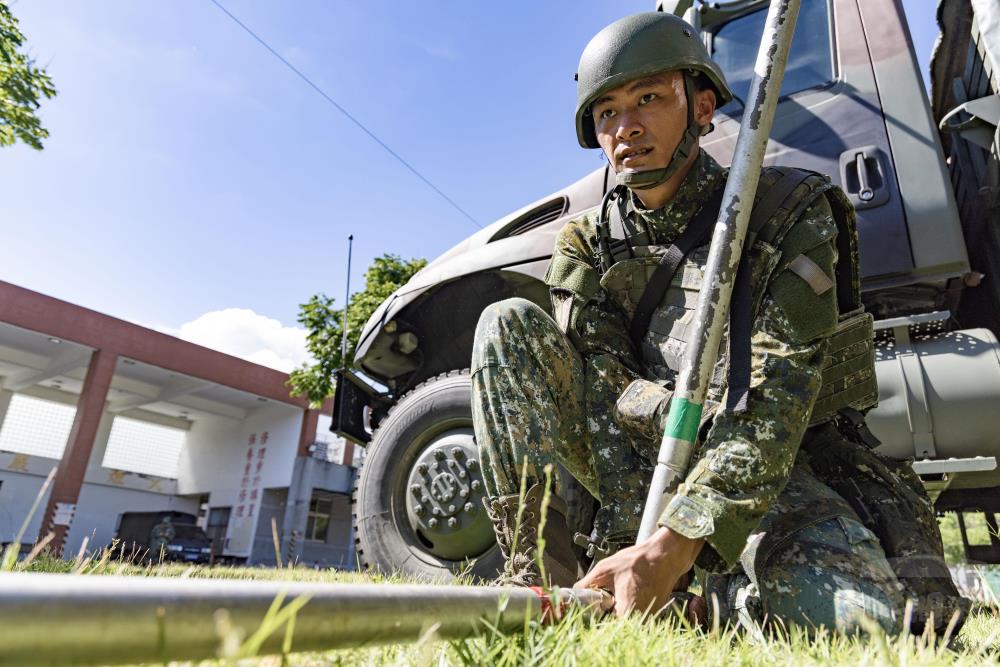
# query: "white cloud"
{"type": "Point", "coordinates": [243, 333]}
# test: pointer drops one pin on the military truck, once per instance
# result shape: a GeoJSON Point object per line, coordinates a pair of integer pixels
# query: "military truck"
{"type": "Point", "coordinates": [923, 175]}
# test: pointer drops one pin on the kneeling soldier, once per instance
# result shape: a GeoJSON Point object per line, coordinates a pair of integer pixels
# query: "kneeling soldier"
{"type": "Point", "coordinates": [787, 512]}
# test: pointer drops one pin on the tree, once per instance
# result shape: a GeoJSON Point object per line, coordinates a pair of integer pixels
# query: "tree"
{"type": "Point", "coordinates": [322, 321]}
{"type": "Point", "coordinates": [22, 85]}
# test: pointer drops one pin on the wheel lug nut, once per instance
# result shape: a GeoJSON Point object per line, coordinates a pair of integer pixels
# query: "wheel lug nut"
{"type": "Point", "coordinates": [439, 454]}
{"type": "Point", "coordinates": [424, 499]}
{"type": "Point", "coordinates": [451, 509]}
{"type": "Point", "coordinates": [418, 510]}
{"type": "Point", "coordinates": [475, 485]}
{"type": "Point", "coordinates": [433, 523]}
{"type": "Point", "coordinates": [472, 464]}
{"type": "Point", "coordinates": [436, 511]}
{"type": "Point", "coordinates": [464, 493]}
{"type": "Point", "coordinates": [416, 489]}
{"type": "Point", "coordinates": [452, 522]}
{"type": "Point", "coordinates": [422, 468]}
{"type": "Point", "coordinates": [457, 452]}
{"type": "Point", "coordinates": [469, 507]}
{"type": "Point", "coordinates": [462, 474]}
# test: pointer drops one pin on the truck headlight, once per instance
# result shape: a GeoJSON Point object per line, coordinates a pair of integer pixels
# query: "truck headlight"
{"type": "Point", "coordinates": [174, 547]}
{"type": "Point", "coordinates": [206, 550]}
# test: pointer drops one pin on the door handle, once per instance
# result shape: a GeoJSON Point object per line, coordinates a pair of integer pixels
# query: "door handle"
{"type": "Point", "coordinates": [865, 192]}
{"type": "Point", "coordinates": [863, 176]}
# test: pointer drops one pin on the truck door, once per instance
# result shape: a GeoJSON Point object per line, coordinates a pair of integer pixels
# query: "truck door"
{"type": "Point", "coordinates": [829, 119]}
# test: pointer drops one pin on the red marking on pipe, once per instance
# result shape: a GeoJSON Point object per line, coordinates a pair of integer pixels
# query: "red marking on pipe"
{"type": "Point", "coordinates": [553, 606]}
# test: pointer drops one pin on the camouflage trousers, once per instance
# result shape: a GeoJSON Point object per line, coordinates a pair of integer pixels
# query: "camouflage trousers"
{"type": "Point", "coordinates": [535, 401]}
{"type": "Point", "coordinates": [812, 562]}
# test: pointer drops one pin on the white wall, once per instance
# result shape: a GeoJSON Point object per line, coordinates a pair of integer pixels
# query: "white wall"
{"type": "Point", "coordinates": [21, 478]}
{"type": "Point", "coordinates": [214, 460]}
{"type": "Point", "coordinates": [104, 496]}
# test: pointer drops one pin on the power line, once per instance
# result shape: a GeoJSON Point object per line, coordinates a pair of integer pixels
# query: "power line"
{"type": "Point", "coordinates": [346, 113]}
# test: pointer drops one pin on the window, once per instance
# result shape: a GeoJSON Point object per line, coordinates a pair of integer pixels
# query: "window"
{"type": "Point", "coordinates": [143, 447]}
{"type": "Point", "coordinates": [218, 524]}
{"type": "Point", "coordinates": [810, 64]}
{"type": "Point", "coordinates": [320, 509]}
{"type": "Point", "coordinates": [536, 217]}
{"type": "Point", "coordinates": [36, 427]}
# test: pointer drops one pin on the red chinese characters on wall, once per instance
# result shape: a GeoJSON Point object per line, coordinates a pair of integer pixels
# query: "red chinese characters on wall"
{"type": "Point", "coordinates": [250, 486]}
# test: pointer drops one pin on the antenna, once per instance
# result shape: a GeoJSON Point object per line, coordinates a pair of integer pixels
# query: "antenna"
{"type": "Point", "coordinates": [347, 297]}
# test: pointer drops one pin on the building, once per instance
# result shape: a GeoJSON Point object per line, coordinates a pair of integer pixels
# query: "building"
{"type": "Point", "coordinates": [131, 419]}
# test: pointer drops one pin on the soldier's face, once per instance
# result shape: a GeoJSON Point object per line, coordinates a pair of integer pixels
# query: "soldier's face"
{"type": "Point", "coordinates": [640, 123]}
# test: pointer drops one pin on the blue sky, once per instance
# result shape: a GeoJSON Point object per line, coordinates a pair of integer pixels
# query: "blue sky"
{"type": "Point", "coordinates": [189, 173]}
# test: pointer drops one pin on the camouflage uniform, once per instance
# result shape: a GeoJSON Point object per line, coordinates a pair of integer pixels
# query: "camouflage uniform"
{"type": "Point", "coordinates": [779, 542]}
{"type": "Point", "coordinates": [161, 536]}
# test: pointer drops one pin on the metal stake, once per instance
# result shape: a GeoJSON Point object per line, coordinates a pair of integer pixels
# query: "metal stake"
{"type": "Point", "coordinates": [710, 316]}
{"type": "Point", "coordinates": [347, 298]}
{"type": "Point", "coordinates": [62, 619]}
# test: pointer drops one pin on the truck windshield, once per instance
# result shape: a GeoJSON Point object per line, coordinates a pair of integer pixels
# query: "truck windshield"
{"type": "Point", "coordinates": [810, 64]}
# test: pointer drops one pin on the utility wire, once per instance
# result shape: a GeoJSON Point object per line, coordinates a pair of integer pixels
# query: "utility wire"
{"type": "Point", "coordinates": [346, 113]}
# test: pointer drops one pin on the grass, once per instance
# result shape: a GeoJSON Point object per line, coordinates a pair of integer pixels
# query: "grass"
{"type": "Point", "coordinates": [619, 642]}
{"type": "Point", "coordinates": [574, 641]}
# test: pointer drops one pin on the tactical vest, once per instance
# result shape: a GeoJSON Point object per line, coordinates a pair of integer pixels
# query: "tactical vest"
{"type": "Point", "coordinates": [774, 243]}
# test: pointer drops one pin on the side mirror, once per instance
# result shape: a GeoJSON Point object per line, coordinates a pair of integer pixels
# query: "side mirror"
{"type": "Point", "coordinates": [675, 7]}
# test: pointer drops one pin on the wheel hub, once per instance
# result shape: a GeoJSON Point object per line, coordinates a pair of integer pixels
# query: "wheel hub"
{"type": "Point", "coordinates": [444, 500]}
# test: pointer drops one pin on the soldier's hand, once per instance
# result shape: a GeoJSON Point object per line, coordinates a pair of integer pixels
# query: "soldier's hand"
{"type": "Point", "coordinates": [643, 577]}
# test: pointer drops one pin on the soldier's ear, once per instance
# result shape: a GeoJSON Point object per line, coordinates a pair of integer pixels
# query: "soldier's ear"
{"type": "Point", "coordinates": [704, 109]}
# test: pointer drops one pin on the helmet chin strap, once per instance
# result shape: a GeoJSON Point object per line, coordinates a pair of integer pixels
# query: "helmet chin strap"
{"type": "Point", "coordinates": [650, 178]}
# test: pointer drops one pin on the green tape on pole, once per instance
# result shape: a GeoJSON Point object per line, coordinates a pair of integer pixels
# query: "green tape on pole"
{"type": "Point", "coordinates": [683, 420]}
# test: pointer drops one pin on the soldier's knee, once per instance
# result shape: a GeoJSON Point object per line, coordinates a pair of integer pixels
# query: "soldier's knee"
{"type": "Point", "coordinates": [834, 574]}
{"type": "Point", "coordinates": [514, 309]}
{"type": "Point", "coordinates": [508, 319]}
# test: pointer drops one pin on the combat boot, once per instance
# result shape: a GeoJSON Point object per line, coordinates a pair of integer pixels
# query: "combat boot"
{"type": "Point", "coordinates": [519, 544]}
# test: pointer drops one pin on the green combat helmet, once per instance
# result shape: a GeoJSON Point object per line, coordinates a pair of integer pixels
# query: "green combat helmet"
{"type": "Point", "coordinates": [637, 46]}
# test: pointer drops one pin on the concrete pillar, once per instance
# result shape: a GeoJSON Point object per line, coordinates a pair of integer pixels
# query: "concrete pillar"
{"type": "Point", "coordinates": [76, 532]}
{"type": "Point", "coordinates": [293, 527]}
{"type": "Point", "coordinates": [307, 435]}
{"type": "Point", "coordinates": [5, 398]}
{"type": "Point", "coordinates": [348, 453]}
{"type": "Point", "coordinates": [73, 466]}
{"type": "Point", "coordinates": [100, 446]}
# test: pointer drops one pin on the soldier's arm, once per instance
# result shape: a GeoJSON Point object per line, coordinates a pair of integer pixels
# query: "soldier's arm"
{"type": "Point", "coordinates": [748, 456]}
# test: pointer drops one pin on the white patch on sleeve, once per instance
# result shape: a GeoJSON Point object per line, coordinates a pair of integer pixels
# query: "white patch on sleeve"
{"type": "Point", "coordinates": [562, 309]}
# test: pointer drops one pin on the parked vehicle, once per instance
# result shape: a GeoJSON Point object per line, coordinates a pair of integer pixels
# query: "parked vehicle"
{"type": "Point", "coordinates": [854, 106]}
{"type": "Point", "coordinates": [162, 536]}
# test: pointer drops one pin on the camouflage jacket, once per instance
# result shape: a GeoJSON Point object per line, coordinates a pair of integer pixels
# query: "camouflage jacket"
{"type": "Point", "coordinates": [746, 458]}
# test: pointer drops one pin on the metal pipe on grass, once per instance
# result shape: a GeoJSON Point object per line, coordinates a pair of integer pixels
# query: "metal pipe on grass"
{"type": "Point", "coordinates": [59, 619]}
{"type": "Point", "coordinates": [712, 311]}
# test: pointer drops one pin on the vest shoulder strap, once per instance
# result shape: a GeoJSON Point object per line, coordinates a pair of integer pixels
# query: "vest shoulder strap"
{"type": "Point", "coordinates": [698, 232]}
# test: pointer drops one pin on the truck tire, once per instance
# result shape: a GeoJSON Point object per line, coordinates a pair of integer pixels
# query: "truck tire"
{"type": "Point", "coordinates": [418, 506]}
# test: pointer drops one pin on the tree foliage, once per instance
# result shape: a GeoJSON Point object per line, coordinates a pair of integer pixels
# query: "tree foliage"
{"type": "Point", "coordinates": [322, 320]}
{"type": "Point", "coordinates": [22, 86]}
